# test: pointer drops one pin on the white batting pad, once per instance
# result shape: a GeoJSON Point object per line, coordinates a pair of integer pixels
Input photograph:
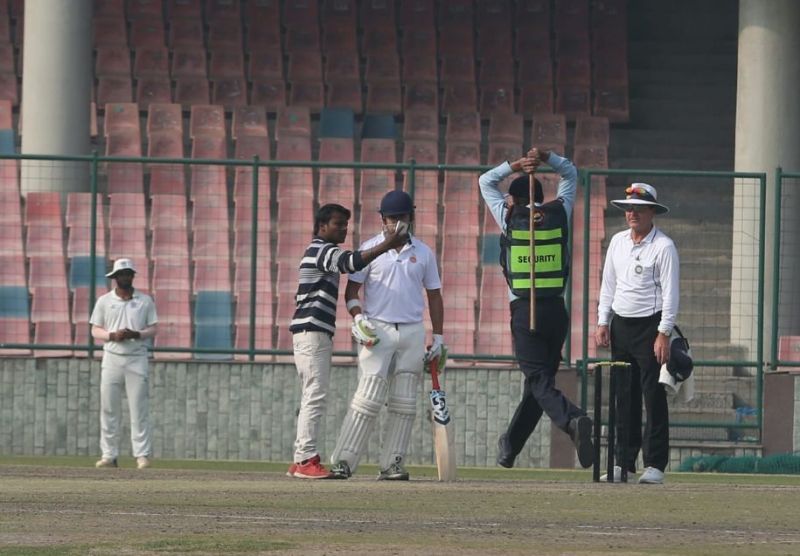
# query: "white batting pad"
{"type": "Point", "coordinates": [366, 405]}
{"type": "Point", "coordinates": [402, 410]}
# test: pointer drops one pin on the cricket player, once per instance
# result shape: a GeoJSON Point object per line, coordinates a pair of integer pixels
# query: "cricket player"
{"type": "Point", "coordinates": [391, 332]}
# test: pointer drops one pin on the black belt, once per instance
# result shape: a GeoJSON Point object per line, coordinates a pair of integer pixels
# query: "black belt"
{"type": "Point", "coordinates": [634, 320]}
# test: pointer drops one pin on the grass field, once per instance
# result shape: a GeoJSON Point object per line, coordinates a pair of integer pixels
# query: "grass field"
{"type": "Point", "coordinates": [55, 506]}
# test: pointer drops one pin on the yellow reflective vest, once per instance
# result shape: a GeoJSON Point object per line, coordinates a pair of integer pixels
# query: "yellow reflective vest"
{"type": "Point", "coordinates": [552, 256]}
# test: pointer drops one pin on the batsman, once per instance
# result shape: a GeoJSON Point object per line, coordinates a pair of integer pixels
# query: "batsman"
{"type": "Point", "coordinates": [536, 268]}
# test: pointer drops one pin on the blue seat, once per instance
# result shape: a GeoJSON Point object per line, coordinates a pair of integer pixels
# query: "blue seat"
{"type": "Point", "coordinates": [490, 250]}
{"type": "Point", "coordinates": [336, 123]}
{"type": "Point", "coordinates": [8, 141]}
{"type": "Point", "coordinates": [213, 336]}
{"type": "Point", "coordinates": [214, 308]}
{"type": "Point", "coordinates": [80, 272]}
{"type": "Point", "coordinates": [14, 302]}
{"type": "Point", "coordinates": [378, 126]}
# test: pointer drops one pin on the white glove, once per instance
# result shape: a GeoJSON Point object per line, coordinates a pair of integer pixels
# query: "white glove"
{"type": "Point", "coordinates": [364, 331]}
{"type": "Point", "coordinates": [436, 349]}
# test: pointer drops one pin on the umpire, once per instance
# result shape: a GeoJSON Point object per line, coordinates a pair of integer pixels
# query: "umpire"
{"type": "Point", "coordinates": [538, 353]}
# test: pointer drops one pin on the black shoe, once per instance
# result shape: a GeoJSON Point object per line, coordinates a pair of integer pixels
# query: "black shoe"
{"type": "Point", "coordinates": [505, 455]}
{"type": "Point", "coordinates": [341, 470]}
{"type": "Point", "coordinates": [395, 472]}
{"type": "Point", "coordinates": [580, 430]}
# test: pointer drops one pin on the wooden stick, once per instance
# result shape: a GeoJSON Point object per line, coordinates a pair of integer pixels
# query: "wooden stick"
{"type": "Point", "coordinates": [531, 191]}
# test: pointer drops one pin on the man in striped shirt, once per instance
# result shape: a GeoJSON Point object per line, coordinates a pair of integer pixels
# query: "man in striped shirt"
{"type": "Point", "coordinates": [314, 323]}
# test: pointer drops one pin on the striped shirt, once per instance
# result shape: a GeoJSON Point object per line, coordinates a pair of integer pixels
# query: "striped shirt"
{"type": "Point", "coordinates": [318, 288]}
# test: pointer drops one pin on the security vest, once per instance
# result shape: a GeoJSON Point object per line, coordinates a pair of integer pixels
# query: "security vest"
{"type": "Point", "coordinates": [552, 256]}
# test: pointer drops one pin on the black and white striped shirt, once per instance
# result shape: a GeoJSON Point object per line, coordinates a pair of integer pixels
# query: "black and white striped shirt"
{"type": "Point", "coordinates": [318, 288]}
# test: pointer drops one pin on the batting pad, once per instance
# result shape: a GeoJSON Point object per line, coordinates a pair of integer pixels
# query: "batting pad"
{"type": "Point", "coordinates": [366, 405]}
{"type": "Point", "coordinates": [402, 410]}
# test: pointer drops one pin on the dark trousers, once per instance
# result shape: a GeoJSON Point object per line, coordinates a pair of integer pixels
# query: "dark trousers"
{"type": "Point", "coordinates": [632, 340]}
{"type": "Point", "coordinates": [538, 355]}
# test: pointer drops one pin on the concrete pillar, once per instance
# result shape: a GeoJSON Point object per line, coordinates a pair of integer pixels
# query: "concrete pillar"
{"type": "Point", "coordinates": [56, 93]}
{"type": "Point", "coordinates": [767, 136]}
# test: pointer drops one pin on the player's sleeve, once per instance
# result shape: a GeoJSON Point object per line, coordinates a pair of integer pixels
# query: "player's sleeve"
{"type": "Point", "coordinates": [431, 280]}
{"type": "Point", "coordinates": [98, 317]}
{"type": "Point", "coordinates": [152, 316]}
{"type": "Point", "coordinates": [332, 258]}
{"type": "Point", "coordinates": [490, 191]}
{"type": "Point", "coordinates": [607, 287]}
{"type": "Point", "coordinates": [568, 182]}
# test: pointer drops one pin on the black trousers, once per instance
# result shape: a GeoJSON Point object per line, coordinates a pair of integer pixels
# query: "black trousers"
{"type": "Point", "coordinates": [632, 340]}
{"type": "Point", "coordinates": [538, 355]}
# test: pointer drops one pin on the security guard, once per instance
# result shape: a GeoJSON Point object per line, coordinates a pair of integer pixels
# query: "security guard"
{"type": "Point", "coordinates": [538, 353]}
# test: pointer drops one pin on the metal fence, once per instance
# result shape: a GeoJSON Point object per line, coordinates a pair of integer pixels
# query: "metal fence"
{"type": "Point", "coordinates": [218, 243]}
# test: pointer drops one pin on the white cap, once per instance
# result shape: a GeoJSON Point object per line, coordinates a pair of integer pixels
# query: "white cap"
{"type": "Point", "coordinates": [121, 264]}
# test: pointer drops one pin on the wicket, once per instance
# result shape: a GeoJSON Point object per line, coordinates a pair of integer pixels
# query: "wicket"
{"type": "Point", "coordinates": [619, 388]}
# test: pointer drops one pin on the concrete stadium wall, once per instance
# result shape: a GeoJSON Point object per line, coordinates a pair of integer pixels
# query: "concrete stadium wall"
{"type": "Point", "coordinates": [239, 411]}
{"type": "Point", "coordinates": [224, 411]}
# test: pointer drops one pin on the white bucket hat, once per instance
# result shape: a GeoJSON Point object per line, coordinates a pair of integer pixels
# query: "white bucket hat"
{"type": "Point", "coordinates": [121, 264]}
{"type": "Point", "coordinates": [640, 194]}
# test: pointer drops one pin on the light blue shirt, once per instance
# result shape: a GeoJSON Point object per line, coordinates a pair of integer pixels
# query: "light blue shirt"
{"type": "Point", "coordinates": [496, 200]}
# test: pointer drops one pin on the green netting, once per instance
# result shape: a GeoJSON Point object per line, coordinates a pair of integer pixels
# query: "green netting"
{"type": "Point", "coordinates": [781, 464]}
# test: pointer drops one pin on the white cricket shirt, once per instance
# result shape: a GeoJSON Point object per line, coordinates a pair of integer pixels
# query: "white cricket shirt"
{"type": "Point", "coordinates": [113, 313]}
{"type": "Point", "coordinates": [393, 282]}
{"type": "Point", "coordinates": [641, 279]}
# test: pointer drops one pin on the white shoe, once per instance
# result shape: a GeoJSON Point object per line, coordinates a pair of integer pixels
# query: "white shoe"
{"type": "Point", "coordinates": [651, 476]}
{"type": "Point", "coordinates": [617, 475]}
{"type": "Point", "coordinates": [106, 462]}
{"type": "Point", "coordinates": [142, 462]}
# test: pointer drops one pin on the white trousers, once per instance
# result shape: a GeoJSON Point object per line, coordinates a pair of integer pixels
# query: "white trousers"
{"type": "Point", "coordinates": [128, 372]}
{"type": "Point", "coordinates": [312, 357]}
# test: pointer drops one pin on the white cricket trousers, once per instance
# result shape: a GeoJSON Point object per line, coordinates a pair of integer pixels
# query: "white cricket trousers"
{"type": "Point", "coordinates": [312, 357]}
{"type": "Point", "coordinates": [128, 372]}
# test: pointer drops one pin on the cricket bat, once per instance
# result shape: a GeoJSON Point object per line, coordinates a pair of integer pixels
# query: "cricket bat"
{"type": "Point", "coordinates": [443, 432]}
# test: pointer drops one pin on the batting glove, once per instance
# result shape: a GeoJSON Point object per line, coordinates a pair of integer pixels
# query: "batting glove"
{"type": "Point", "coordinates": [435, 351]}
{"type": "Point", "coordinates": [364, 331]}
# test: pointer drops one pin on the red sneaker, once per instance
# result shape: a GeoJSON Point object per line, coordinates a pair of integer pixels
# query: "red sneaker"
{"type": "Point", "coordinates": [312, 469]}
{"type": "Point", "coordinates": [292, 470]}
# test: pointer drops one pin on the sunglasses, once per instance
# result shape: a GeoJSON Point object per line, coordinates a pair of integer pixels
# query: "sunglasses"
{"type": "Point", "coordinates": [636, 208]}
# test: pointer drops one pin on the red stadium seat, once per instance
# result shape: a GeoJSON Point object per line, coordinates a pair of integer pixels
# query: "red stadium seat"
{"type": "Point", "coordinates": [167, 179]}
{"type": "Point", "coordinates": [342, 67]}
{"type": "Point", "coordinates": [612, 102]}
{"type": "Point", "coordinates": [293, 121]}
{"type": "Point", "coordinates": [210, 147]}
{"type": "Point", "coordinates": [384, 97]}
{"type": "Point", "coordinates": [81, 306]}
{"type": "Point", "coordinates": [169, 243]}
{"type": "Point", "coordinates": [269, 93]}
{"type": "Point", "coordinates": [121, 117]}
{"type": "Point", "coordinates": [173, 306]}
{"type": "Point", "coordinates": [188, 62]}
{"type": "Point", "coordinates": [54, 332]}
{"type": "Point", "coordinates": [207, 120]}
{"type": "Point", "coordinates": [591, 156]}
{"type": "Point", "coordinates": [249, 121]}
{"type": "Point", "coordinates": [147, 32]}
{"type": "Point", "coordinates": [380, 39]}
{"type": "Point", "coordinates": [9, 88]}
{"type": "Point", "coordinates": [79, 240]}
{"type": "Point", "coordinates": [229, 92]}
{"type": "Point", "coordinates": [505, 127]}
{"type": "Point", "coordinates": [44, 241]}
{"type": "Point", "coordinates": [173, 335]}
{"type": "Point", "coordinates": [211, 243]}
{"type": "Point", "coordinates": [549, 129]}
{"type": "Point", "coordinates": [345, 93]}
{"type": "Point", "coordinates": [15, 331]}
{"type": "Point", "coordinates": [12, 269]}
{"type": "Point", "coordinates": [191, 90]}
{"type": "Point", "coordinates": [458, 70]}
{"type": "Point", "coordinates": [185, 32]}
{"type": "Point", "coordinates": [536, 99]}
{"type": "Point", "coordinates": [50, 303]}
{"type": "Point", "coordinates": [224, 32]}
{"type": "Point", "coordinates": [124, 142]}
{"type": "Point", "coordinates": [421, 124]}
{"type": "Point", "coordinates": [212, 275]}
{"type": "Point", "coordinates": [263, 340]}
{"type": "Point", "coordinates": [43, 208]}
{"type": "Point", "coordinates": [171, 274]}
{"type": "Point", "coordinates": [573, 101]}
{"type": "Point", "coordinates": [307, 94]}
{"type": "Point", "coordinates": [114, 88]}
{"type": "Point", "coordinates": [165, 144]}
{"type": "Point", "coordinates": [125, 241]}
{"type": "Point", "coordinates": [150, 90]}
{"type": "Point", "coordinates": [496, 98]}
{"type": "Point", "coordinates": [112, 60]}
{"type": "Point", "coordinates": [168, 212]}
{"type": "Point", "coordinates": [463, 127]}
{"type": "Point", "coordinates": [164, 117]}
{"type": "Point", "coordinates": [226, 62]}
{"type": "Point", "coordinates": [265, 64]}
{"type": "Point", "coordinates": [110, 31]}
